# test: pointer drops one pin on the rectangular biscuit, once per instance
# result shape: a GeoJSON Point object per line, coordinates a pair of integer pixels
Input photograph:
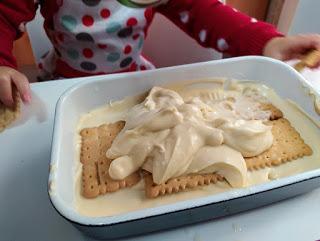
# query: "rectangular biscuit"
{"type": "Point", "coordinates": [95, 165]}
{"type": "Point", "coordinates": [287, 146]}
{"type": "Point", "coordinates": [178, 184]}
{"type": "Point", "coordinates": [310, 60]}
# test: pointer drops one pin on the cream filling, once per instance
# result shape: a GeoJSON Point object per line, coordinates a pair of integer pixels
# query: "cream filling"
{"type": "Point", "coordinates": [222, 160]}
{"type": "Point", "coordinates": [251, 138]}
{"type": "Point", "coordinates": [117, 203]}
{"type": "Point", "coordinates": [166, 133]}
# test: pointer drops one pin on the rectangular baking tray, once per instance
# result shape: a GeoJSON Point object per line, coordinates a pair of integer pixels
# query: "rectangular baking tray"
{"type": "Point", "coordinates": [93, 92]}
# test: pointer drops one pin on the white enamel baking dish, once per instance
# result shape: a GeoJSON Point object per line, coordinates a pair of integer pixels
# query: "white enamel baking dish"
{"type": "Point", "coordinates": [96, 91]}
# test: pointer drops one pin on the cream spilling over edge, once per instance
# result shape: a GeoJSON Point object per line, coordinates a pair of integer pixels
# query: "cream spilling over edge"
{"type": "Point", "coordinates": [116, 203]}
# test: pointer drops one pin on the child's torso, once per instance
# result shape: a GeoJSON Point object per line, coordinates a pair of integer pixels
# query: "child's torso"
{"type": "Point", "coordinates": [98, 36]}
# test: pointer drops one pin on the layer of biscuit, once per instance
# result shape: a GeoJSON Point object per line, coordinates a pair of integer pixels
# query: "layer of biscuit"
{"type": "Point", "coordinates": [95, 176]}
{"type": "Point", "coordinates": [96, 179]}
{"type": "Point", "coordinates": [116, 203]}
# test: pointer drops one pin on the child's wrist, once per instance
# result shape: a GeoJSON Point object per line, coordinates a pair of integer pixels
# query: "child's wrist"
{"type": "Point", "coordinates": [270, 48]}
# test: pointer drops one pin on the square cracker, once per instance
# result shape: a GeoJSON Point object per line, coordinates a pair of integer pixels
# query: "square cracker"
{"type": "Point", "coordinates": [9, 114]}
{"type": "Point", "coordinates": [287, 146]}
{"type": "Point", "coordinates": [95, 178]}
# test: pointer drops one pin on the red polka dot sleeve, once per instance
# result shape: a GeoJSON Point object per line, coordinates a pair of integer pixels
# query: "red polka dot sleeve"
{"type": "Point", "coordinates": [13, 16]}
{"type": "Point", "coordinates": [221, 27]}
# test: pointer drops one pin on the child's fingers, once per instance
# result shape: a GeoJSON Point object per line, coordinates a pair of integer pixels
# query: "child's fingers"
{"type": "Point", "coordinates": [305, 43]}
{"type": "Point", "coordinates": [314, 40]}
{"type": "Point", "coordinates": [6, 91]}
{"type": "Point", "coordinates": [22, 84]}
{"type": "Point", "coordinates": [293, 47]}
{"type": "Point", "coordinates": [297, 47]}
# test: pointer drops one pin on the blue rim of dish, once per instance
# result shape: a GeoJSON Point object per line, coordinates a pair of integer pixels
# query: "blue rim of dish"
{"type": "Point", "coordinates": [178, 211]}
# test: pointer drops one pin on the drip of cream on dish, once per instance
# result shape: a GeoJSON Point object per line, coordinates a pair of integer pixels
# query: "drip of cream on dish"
{"type": "Point", "coordinates": [316, 102]}
{"type": "Point", "coordinates": [117, 203]}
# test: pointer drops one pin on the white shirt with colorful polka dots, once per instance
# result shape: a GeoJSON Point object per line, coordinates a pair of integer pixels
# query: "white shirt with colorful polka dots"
{"type": "Point", "coordinates": [98, 37]}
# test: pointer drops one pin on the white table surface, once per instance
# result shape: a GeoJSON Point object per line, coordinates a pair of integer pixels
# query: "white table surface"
{"type": "Point", "coordinates": [26, 212]}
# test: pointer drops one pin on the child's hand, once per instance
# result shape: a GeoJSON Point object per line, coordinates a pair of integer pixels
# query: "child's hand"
{"type": "Point", "coordinates": [8, 79]}
{"type": "Point", "coordinates": [291, 47]}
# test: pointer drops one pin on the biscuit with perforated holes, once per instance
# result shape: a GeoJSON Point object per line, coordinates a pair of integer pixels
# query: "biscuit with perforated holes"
{"type": "Point", "coordinates": [95, 165]}
{"type": "Point", "coordinates": [178, 184]}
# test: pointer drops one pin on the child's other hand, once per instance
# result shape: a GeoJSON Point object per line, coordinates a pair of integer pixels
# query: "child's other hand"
{"type": "Point", "coordinates": [291, 47]}
{"type": "Point", "coordinates": [8, 79]}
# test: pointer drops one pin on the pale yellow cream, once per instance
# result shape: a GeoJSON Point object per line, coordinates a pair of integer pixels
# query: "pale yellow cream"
{"type": "Point", "coordinates": [117, 203]}
{"type": "Point", "coordinates": [166, 134]}
{"type": "Point", "coordinates": [251, 138]}
{"type": "Point", "coordinates": [317, 105]}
